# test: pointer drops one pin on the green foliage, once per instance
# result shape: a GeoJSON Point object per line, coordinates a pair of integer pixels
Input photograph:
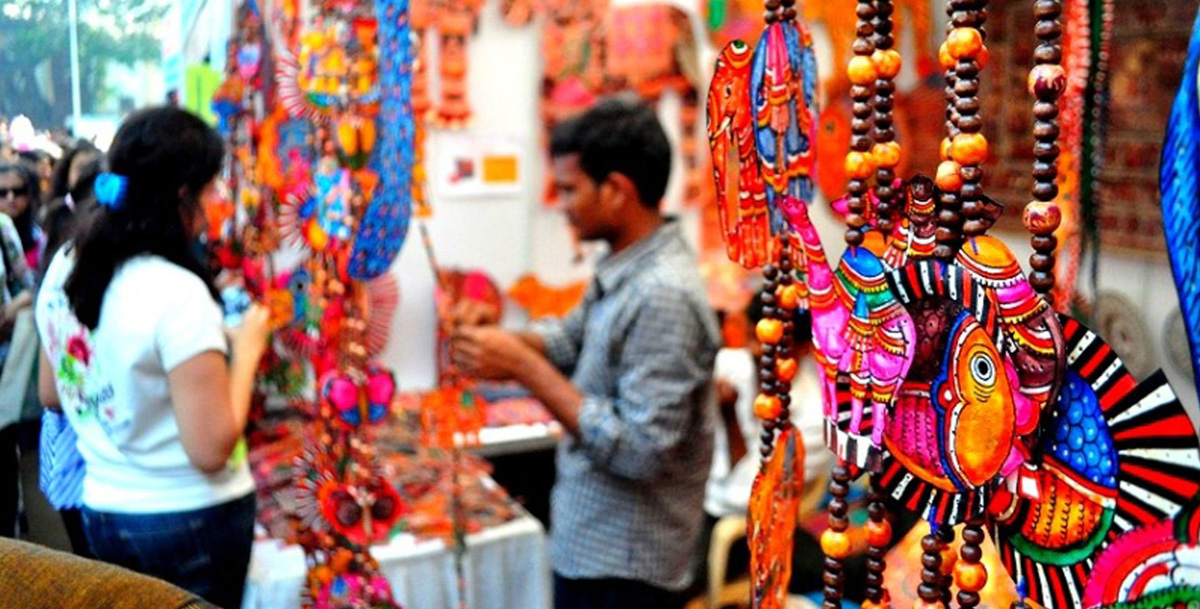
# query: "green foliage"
{"type": "Point", "coordinates": [35, 68]}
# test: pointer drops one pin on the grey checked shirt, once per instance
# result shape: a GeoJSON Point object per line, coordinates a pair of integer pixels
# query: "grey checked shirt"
{"type": "Point", "coordinates": [628, 501]}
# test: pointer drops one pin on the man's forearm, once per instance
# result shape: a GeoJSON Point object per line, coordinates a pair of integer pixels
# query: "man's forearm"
{"type": "Point", "coordinates": [534, 340]}
{"type": "Point", "coordinates": [552, 389]}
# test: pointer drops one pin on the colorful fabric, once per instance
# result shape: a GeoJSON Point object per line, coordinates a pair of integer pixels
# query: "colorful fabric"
{"type": "Point", "coordinates": [62, 467]}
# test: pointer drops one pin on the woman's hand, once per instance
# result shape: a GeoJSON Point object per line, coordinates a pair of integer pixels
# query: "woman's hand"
{"type": "Point", "coordinates": [250, 338]}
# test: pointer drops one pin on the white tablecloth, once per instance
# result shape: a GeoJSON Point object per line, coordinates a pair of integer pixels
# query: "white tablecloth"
{"type": "Point", "coordinates": [506, 567]}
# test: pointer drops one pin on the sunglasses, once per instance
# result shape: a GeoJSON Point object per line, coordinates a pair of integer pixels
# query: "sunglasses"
{"type": "Point", "coordinates": [20, 191]}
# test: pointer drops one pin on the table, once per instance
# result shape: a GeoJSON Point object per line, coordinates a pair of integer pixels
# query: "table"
{"type": "Point", "coordinates": [506, 566]}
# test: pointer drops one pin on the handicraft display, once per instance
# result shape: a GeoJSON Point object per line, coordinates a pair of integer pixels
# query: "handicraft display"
{"type": "Point", "coordinates": [320, 184]}
{"type": "Point", "coordinates": [948, 376]}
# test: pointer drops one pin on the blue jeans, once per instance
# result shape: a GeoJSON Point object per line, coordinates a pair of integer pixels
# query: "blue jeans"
{"type": "Point", "coordinates": [205, 551]}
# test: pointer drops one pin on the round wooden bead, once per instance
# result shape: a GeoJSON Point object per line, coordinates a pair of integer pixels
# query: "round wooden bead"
{"type": "Point", "coordinates": [971, 599]}
{"type": "Point", "coordinates": [970, 123]}
{"type": "Point", "coordinates": [770, 271]}
{"type": "Point", "coordinates": [786, 370]}
{"type": "Point", "coordinates": [964, 42]}
{"type": "Point", "coordinates": [931, 545]}
{"type": "Point", "coordinates": [769, 330]}
{"type": "Point", "coordinates": [835, 543]}
{"type": "Point", "coordinates": [767, 407]}
{"type": "Point", "coordinates": [886, 155]}
{"type": "Point", "coordinates": [1047, 81]}
{"type": "Point", "coordinates": [860, 165]}
{"type": "Point", "coordinates": [879, 533]}
{"type": "Point", "coordinates": [887, 62]}
{"type": "Point", "coordinates": [1045, 243]}
{"type": "Point", "coordinates": [862, 47]}
{"type": "Point", "coordinates": [1041, 281]}
{"type": "Point", "coordinates": [854, 237]}
{"type": "Point", "coordinates": [1045, 191]}
{"type": "Point", "coordinates": [948, 178]}
{"type": "Point", "coordinates": [971, 577]}
{"type": "Point", "coordinates": [1042, 262]}
{"type": "Point", "coordinates": [970, 552]}
{"type": "Point", "coordinates": [973, 535]}
{"type": "Point", "coordinates": [945, 59]}
{"type": "Point", "coordinates": [789, 14]}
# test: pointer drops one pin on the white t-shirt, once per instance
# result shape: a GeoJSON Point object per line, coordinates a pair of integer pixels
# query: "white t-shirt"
{"type": "Point", "coordinates": [728, 490]}
{"type": "Point", "coordinates": [114, 388]}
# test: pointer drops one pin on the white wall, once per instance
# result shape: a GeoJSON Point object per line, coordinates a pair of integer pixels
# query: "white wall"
{"type": "Point", "coordinates": [512, 235]}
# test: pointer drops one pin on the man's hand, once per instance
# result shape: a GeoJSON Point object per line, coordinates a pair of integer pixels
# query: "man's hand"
{"type": "Point", "coordinates": [472, 313]}
{"type": "Point", "coordinates": [490, 353]}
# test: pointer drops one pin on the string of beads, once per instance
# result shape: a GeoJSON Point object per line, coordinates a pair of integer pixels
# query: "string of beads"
{"type": "Point", "coordinates": [1047, 81]}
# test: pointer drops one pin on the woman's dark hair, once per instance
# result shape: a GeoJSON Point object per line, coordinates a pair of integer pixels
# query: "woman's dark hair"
{"type": "Point", "coordinates": [60, 180]}
{"type": "Point", "coordinates": [24, 222]}
{"type": "Point", "coordinates": [59, 218]}
{"type": "Point", "coordinates": [168, 156]}
{"type": "Point", "coordinates": [622, 135]}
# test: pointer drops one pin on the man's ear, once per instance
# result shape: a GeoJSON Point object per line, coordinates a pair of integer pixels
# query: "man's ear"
{"type": "Point", "coordinates": [625, 191]}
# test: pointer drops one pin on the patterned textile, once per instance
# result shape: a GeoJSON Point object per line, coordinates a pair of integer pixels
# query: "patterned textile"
{"type": "Point", "coordinates": [630, 490]}
{"type": "Point", "coordinates": [62, 466]}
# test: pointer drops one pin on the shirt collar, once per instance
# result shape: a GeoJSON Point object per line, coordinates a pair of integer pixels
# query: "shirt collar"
{"type": "Point", "coordinates": [614, 269]}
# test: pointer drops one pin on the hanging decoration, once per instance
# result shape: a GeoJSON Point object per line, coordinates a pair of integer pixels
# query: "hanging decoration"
{"type": "Point", "coordinates": [592, 49]}
{"type": "Point", "coordinates": [762, 116]}
{"type": "Point", "coordinates": [1179, 177]}
{"type": "Point", "coordinates": [949, 378]}
{"type": "Point", "coordinates": [452, 22]}
{"type": "Point", "coordinates": [321, 183]}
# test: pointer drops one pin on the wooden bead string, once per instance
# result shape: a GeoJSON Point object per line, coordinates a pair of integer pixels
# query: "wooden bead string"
{"type": "Point", "coordinates": [785, 349]}
{"type": "Point", "coordinates": [930, 590]}
{"type": "Point", "coordinates": [886, 151]}
{"type": "Point", "coordinates": [957, 180]}
{"type": "Point", "coordinates": [1047, 81]}
{"type": "Point", "coordinates": [833, 540]}
{"type": "Point", "coordinates": [945, 536]}
{"type": "Point", "coordinates": [969, 147]}
{"type": "Point", "coordinates": [879, 535]}
{"type": "Point", "coordinates": [859, 165]}
{"type": "Point", "coordinates": [767, 388]}
{"type": "Point", "coordinates": [779, 10]}
{"type": "Point", "coordinates": [970, 575]}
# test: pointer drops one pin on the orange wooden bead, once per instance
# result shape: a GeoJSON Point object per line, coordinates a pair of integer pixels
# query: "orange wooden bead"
{"type": "Point", "coordinates": [879, 533]}
{"type": "Point", "coordinates": [969, 148]}
{"type": "Point", "coordinates": [785, 369]}
{"type": "Point", "coordinates": [1042, 217]}
{"type": "Point", "coordinates": [789, 297]}
{"type": "Point", "coordinates": [886, 154]}
{"type": "Point", "coordinates": [860, 165]}
{"type": "Point", "coordinates": [887, 63]}
{"type": "Point", "coordinates": [923, 604]}
{"type": "Point", "coordinates": [862, 70]}
{"type": "Point", "coordinates": [984, 57]}
{"type": "Point", "coordinates": [949, 560]}
{"type": "Point", "coordinates": [964, 43]}
{"type": "Point", "coordinates": [769, 330]}
{"type": "Point", "coordinates": [947, 176]}
{"type": "Point", "coordinates": [767, 407]}
{"type": "Point", "coordinates": [945, 59]}
{"type": "Point", "coordinates": [835, 544]}
{"type": "Point", "coordinates": [970, 577]}
{"type": "Point", "coordinates": [944, 149]}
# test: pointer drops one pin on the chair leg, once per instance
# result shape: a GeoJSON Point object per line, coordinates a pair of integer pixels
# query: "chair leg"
{"type": "Point", "coordinates": [726, 532]}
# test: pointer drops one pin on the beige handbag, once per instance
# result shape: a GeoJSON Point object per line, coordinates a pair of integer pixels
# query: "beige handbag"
{"type": "Point", "coordinates": [17, 376]}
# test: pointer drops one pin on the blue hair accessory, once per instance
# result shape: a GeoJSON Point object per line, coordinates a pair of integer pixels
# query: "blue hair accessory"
{"type": "Point", "coordinates": [110, 189]}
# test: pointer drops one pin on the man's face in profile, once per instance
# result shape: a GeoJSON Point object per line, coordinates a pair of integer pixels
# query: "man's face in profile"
{"type": "Point", "coordinates": [579, 196]}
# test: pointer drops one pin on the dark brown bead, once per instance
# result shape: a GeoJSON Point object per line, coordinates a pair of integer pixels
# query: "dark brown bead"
{"type": "Point", "coordinates": [863, 47]}
{"type": "Point", "coordinates": [1044, 172]}
{"type": "Point", "coordinates": [931, 561]}
{"type": "Point", "coordinates": [839, 523]}
{"type": "Point", "coordinates": [929, 593]}
{"type": "Point", "coordinates": [1042, 282]}
{"type": "Point", "coordinates": [1047, 54]}
{"type": "Point", "coordinates": [1045, 130]}
{"type": "Point", "coordinates": [789, 14]}
{"type": "Point", "coordinates": [874, 579]}
{"type": "Point", "coordinates": [832, 578]}
{"type": "Point", "coordinates": [860, 125]}
{"type": "Point", "coordinates": [968, 599]}
{"type": "Point", "coordinates": [974, 228]}
{"type": "Point", "coordinates": [1045, 151]}
{"type": "Point", "coordinates": [884, 133]}
{"type": "Point", "coordinates": [949, 217]}
{"type": "Point", "coordinates": [838, 505]}
{"type": "Point", "coordinates": [971, 553]}
{"type": "Point", "coordinates": [1047, 30]}
{"type": "Point", "coordinates": [973, 535]}
{"type": "Point", "coordinates": [770, 272]}
{"type": "Point", "coordinates": [1045, 111]}
{"type": "Point", "coordinates": [944, 534]}
{"type": "Point", "coordinates": [1045, 191]}
{"type": "Point", "coordinates": [876, 565]}
{"type": "Point", "coordinates": [1044, 243]}
{"type": "Point", "coordinates": [877, 510]}
{"type": "Point", "coordinates": [930, 543]}
{"type": "Point", "coordinates": [967, 105]}
{"type": "Point", "coordinates": [972, 208]}
{"type": "Point", "coordinates": [1047, 9]}
{"type": "Point", "coordinates": [862, 108]}
{"type": "Point", "coordinates": [833, 592]}
{"type": "Point", "coordinates": [861, 143]}
{"type": "Point", "coordinates": [966, 87]}
{"type": "Point", "coordinates": [865, 11]}
{"type": "Point", "coordinates": [832, 604]}
{"type": "Point", "coordinates": [971, 191]}
{"type": "Point", "coordinates": [970, 124]}
{"type": "Point", "coordinates": [772, 5]}
{"type": "Point", "coordinates": [770, 17]}
{"type": "Point", "coordinates": [833, 564]}
{"type": "Point", "coordinates": [765, 449]}
{"type": "Point", "coordinates": [1042, 262]}
{"type": "Point", "coordinates": [771, 312]}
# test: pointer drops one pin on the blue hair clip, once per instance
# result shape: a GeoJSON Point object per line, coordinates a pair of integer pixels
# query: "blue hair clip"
{"type": "Point", "coordinates": [109, 189]}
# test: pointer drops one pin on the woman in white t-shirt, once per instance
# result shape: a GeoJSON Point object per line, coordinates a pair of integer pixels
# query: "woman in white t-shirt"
{"type": "Point", "coordinates": [135, 355]}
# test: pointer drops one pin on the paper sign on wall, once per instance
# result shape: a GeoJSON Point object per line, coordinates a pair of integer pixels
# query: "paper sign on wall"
{"type": "Point", "coordinates": [472, 165]}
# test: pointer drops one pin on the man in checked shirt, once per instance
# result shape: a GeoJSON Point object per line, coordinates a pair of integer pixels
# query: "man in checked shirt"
{"type": "Point", "coordinates": [628, 373]}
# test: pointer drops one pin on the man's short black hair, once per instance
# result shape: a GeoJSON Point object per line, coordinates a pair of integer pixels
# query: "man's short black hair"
{"type": "Point", "coordinates": [622, 135]}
